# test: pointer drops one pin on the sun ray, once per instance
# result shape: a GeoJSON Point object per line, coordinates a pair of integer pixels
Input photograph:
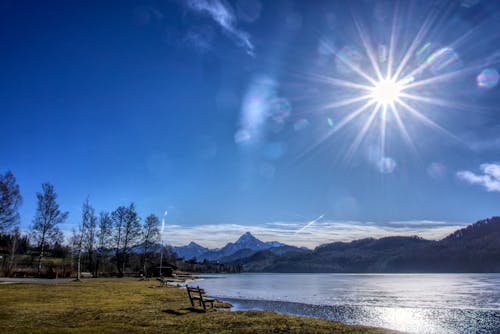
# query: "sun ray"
{"type": "Point", "coordinates": [402, 129]}
{"type": "Point", "coordinates": [346, 102]}
{"type": "Point", "coordinates": [355, 69]}
{"type": "Point", "coordinates": [343, 122]}
{"type": "Point", "coordinates": [383, 126]}
{"type": "Point", "coordinates": [361, 135]}
{"type": "Point", "coordinates": [424, 29]}
{"type": "Point", "coordinates": [368, 49]}
{"type": "Point", "coordinates": [392, 43]}
{"type": "Point", "coordinates": [445, 76]}
{"type": "Point", "coordinates": [338, 82]}
{"type": "Point", "coordinates": [428, 121]}
{"type": "Point", "coordinates": [439, 102]}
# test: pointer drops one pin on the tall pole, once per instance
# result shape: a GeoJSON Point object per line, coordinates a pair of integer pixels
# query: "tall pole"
{"type": "Point", "coordinates": [161, 240]}
{"type": "Point", "coordinates": [161, 258]}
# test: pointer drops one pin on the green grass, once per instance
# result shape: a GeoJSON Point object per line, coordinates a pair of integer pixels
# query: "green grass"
{"type": "Point", "coordinates": [132, 306]}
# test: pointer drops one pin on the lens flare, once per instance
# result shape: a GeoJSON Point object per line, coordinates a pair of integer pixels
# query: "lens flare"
{"type": "Point", "coordinates": [488, 78]}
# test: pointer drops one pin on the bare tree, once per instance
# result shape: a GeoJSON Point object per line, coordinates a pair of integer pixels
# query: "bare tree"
{"type": "Point", "coordinates": [13, 244]}
{"type": "Point", "coordinates": [10, 200]}
{"type": "Point", "coordinates": [90, 239]}
{"type": "Point", "coordinates": [150, 236]}
{"type": "Point", "coordinates": [76, 244]}
{"type": "Point", "coordinates": [104, 234]}
{"type": "Point", "coordinates": [47, 217]}
{"type": "Point", "coordinates": [131, 232]}
{"type": "Point", "coordinates": [83, 234]}
{"type": "Point", "coordinates": [118, 217]}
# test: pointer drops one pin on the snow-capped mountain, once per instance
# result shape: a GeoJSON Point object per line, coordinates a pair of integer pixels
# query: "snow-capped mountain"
{"type": "Point", "coordinates": [246, 242]}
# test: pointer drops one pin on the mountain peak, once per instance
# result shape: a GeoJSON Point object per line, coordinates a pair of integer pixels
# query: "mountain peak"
{"type": "Point", "coordinates": [194, 244]}
{"type": "Point", "coordinates": [247, 235]}
{"type": "Point", "coordinates": [248, 240]}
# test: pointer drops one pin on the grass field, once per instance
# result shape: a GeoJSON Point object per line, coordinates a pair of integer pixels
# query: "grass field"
{"type": "Point", "coordinates": [132, 306]}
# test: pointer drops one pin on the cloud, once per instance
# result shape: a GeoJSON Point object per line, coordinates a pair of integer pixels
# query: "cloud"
{"type": "Point", "coordinates": [293, 233]}
{"type": "Point", "coordinates": [222, 13]}
{"type": "Point", "coordinates": [489, 178]}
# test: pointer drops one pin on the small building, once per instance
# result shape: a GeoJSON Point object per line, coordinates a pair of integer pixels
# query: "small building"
{"type": "Point", "coordinates": [166, 270]}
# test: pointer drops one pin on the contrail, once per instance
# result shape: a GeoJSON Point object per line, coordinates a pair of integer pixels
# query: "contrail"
{"type": "Point", "coordinates": [309, 223]}
{"type": "Point", "coordinates": [163, 221]}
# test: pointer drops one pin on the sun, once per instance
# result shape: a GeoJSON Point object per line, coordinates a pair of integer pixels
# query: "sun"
{"type": "Point", "coordinates": [386, 92]}
{"type": "Point", "coordinates": [388, 86]}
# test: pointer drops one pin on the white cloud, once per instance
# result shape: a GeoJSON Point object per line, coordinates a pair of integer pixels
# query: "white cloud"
{"type": "Point", "coordinates": [418, 223]}
{"type": "Point", "coordinates": [489, 178]}
{"type": "Point", "coordinates": [293, 233]}
{"type": "Point", "coordinates": [221, 12]}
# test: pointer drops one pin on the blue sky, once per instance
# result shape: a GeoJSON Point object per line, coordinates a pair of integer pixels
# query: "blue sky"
{"type": "Point", "coordinates": [241, 115]}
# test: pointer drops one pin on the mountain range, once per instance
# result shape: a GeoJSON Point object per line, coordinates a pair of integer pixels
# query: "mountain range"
{"type": "Point", "coordinates": [475, 248]}
{"type": "Point", "coordinates": [245, 246]}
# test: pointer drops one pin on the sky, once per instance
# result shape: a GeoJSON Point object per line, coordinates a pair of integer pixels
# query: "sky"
{"type": "Point", "coordinates": [302, 122]}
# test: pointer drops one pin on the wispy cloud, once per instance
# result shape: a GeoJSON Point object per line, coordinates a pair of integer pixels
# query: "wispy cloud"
{"type": "Point", "coordinates": [222, 13]}
{"type": "Point", "coordinates": [488, 178]}
{"type": "Point", "coordinates": [293, 233]}
{"type": "Point", "coordinates": [200, 38]}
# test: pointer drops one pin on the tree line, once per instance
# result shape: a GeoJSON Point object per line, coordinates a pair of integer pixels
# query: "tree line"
{"type": "Point", "coordinates": [100, 241]}
{"type": "Point", "coordinates": [107, 243]}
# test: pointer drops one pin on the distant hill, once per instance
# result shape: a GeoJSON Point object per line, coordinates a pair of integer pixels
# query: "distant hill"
{"type": "Point", "coordinates": [475, 248]}
{"type": "Point", "coordinates": [190, 251]}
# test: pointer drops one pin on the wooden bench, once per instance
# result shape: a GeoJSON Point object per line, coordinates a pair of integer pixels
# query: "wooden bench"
{"type": "Point", "coordinates": [197, 294]}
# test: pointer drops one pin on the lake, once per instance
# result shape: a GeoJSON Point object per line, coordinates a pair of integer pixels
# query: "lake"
{"type": "Point", "coordinates": [414, 303]}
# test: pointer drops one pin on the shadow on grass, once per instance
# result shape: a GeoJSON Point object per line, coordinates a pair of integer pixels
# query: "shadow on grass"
{"type": "Point", "coordinates": [183, 311]}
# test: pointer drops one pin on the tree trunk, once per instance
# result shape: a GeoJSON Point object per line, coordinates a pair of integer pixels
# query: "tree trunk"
{"type": "Point", "coordinates": [97, 264]}
{"type": "Point", "coordinates": [12, 261]}
{"type": "Point", "coordinates": [78, 270]}
{"type": "Point", "coordinates": [42, 248]}
{"type": "Point", "coordinates": [123, 265]}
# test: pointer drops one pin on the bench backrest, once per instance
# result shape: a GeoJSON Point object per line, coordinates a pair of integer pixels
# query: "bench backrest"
{"type": "Point", "coordinates": [195, 292]}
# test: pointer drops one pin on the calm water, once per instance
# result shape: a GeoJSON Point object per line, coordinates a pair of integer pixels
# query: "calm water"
{"type": "Point", "coordinates": [415, 303]}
